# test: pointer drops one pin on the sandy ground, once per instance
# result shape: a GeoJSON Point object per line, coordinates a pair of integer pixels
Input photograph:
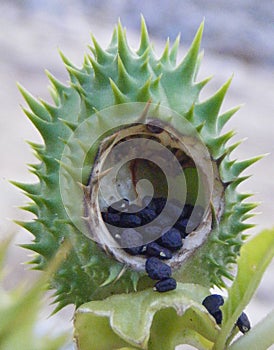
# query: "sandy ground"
{"type": "Point", "coordinates": [28, 45]}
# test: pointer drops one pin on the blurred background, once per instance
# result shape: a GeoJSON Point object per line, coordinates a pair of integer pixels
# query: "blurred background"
{"type": "Point", "coordinates": [238, 38]}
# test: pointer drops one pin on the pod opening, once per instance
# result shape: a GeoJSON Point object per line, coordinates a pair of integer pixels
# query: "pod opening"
{"type": "Point", "coordinates": [148, 196]}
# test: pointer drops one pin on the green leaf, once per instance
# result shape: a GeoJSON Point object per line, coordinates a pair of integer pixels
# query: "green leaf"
{"type": "Point", "coordinates": [19, 309]}
{"type": "Point", "coordinates": [255, 256]}
{"type": "Point", "coordinates": [146, 320]}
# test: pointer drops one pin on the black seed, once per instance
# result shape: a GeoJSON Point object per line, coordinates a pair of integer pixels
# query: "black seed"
{"type": "Point", "coordinates": [182, 222]}
{"type": "Point", "coordinates": [104, 215]}
{"type": "Point", "coordinates": [156, 269]}
{"type": "Point", "coordinates": [134, 250]}
{"type": "Point", "coordinates": [130, 220]}
{"type": "Point", "coordinates": [111, 218]}
{"type": "Point", "coordinates": [147, 215]}
{"type": "Point", "coordinates": [218, 316]}
{"type": "Point", "coordinates": [213, 302]}
{"type": "Point", "coordinates": [181, 225]}
{"type": "Point", "coordinates": [154, 128]}
{"type": "Point", "coordinates": [132, 241]}
{"type": "Point", "coordinates": [154, 249]}
{"type": "Point", "coordinates": [159, 204]}
{"type": "Point", "coordinates": [111, 210]}
{"type": "Point", "coordinates": [120, 206]}
{"type": "Point", "coordinates": [165, 285]}
{"type": "Point", "coordinates": [171, 239]}
{"type": "Point", "coordinates": [243, 323]}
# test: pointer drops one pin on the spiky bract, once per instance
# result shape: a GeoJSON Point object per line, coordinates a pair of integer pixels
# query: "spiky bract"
{"type": "Point", "coordinates": [114, 76]}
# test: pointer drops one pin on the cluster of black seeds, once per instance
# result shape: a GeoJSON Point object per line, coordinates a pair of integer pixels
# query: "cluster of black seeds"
{"type": "Point", "coordinates": [125, 220]}
{"type": "Point", "coordinates": [213, 302]}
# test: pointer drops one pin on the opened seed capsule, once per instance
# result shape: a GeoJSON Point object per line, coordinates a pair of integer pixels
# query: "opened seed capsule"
{"type": "Point", "coordinates": [156, 269]}
{"type": "Point", "coordinates": [165, 285]}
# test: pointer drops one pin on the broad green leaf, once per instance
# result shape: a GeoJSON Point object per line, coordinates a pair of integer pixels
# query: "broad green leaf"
{"type": "Point", "coordinates": [255, 256]}
{"type": "Point", "coordinates": [146, 320]}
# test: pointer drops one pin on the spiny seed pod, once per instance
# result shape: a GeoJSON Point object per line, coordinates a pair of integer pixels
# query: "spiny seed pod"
{"type": "Point", "coordinates": [128, 126]}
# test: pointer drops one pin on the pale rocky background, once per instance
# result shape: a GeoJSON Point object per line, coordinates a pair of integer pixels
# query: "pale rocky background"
{"type": "Point", "coordinates": [238, 38]}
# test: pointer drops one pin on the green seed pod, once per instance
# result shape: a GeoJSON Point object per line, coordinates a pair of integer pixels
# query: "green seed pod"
{"type": "Point", "coordinates": [128, 116]}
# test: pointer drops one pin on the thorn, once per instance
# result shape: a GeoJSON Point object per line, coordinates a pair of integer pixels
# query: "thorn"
{"type": "Point", "coordinates": [144, 42]}
{"type": "Point", "coordinates": [60, 88]}
{"type": "Point", "coordinates": [97, 178]}
{"type": "Point", "coordinates": [101, 55]}
{"type": "Point", "coordinates": [144, 92]}
{"type": "Point", "coordinates": [98, 70]}
{"type": "Point", "coordinates": [84, 188]}
{"type": "Point", "coordinates": [118, 94]}
{"type": "Point", "coordinates": [174, 50]}
{"type": "Point", "coordinates": [143, 116]}
{"type": "Point", "coordinates": [165, 56]}
{"type": "Point", "coordinates": [36, 107]}
{"type": "Point", "coordinates": [67, 62]}
{"type": "Point", "coordinates": [225, 117]}
{"type": "Point", "coordinates": [85, 218]}
{"type": "Point", "coordinates": [188, 66]}
{"type": "Point", "coordinates": [71, 125]}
